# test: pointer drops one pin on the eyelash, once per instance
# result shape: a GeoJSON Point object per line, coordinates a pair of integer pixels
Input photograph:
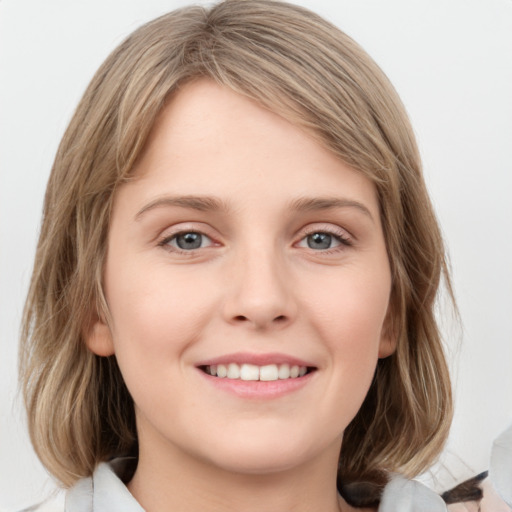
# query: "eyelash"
{"type": "Point", "coordinates": [165, 242]}
{"type": "Point", "coordinates": [339, 235]}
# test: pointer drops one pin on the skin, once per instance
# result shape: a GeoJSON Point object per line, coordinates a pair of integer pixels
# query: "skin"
{"type": "Point", "coordinates": [254, 286]}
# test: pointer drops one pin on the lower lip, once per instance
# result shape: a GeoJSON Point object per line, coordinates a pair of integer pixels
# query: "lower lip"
{"type": "Point", "coordinates": [257, 389]}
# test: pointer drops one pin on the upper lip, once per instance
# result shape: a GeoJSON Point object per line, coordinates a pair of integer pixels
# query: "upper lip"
{"type": "Point", "coordinates": [256, 359]}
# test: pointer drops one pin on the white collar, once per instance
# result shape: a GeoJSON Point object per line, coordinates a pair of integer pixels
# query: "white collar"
{"type": "Point", "coordinates": [403, 495]}
{"type": "Point", "coordinates": [105, 492]}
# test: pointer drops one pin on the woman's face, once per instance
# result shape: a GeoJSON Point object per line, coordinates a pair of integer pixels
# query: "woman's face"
{"type": "Point", "coordinates": [243, 247]}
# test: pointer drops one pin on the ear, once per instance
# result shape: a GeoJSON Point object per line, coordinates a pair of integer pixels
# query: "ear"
{"type": "Point", "coordinates": [387, 347]}
{"type": "Point", "coordinates": [389, 336]}
{"type": "Point", "coordinates": [98, 338]}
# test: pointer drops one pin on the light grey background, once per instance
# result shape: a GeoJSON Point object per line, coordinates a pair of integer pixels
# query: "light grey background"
{"type": "Point", "coordinates": [451, 61]}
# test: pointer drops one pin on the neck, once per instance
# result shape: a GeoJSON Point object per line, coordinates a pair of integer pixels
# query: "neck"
{"type": "Point", "coordinates": [171, 480]}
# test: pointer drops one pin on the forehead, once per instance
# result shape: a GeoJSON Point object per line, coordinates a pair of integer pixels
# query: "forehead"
{"type": "Point", "coordinates": [211, 140]}
{"type": "Point", "coordinates": [204, 117]}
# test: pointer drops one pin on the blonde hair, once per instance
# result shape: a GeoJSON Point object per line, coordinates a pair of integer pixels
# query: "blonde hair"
{"type": "Point", "coordinates": [298, 65]}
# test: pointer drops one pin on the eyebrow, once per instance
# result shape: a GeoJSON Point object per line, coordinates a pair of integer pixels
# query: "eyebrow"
{"type": "Point", "coordinates": [328, 203]}
{"type": "Point", "coordinates": [213, 204]}
{"type": "Point", "coordinates": [200, 203]}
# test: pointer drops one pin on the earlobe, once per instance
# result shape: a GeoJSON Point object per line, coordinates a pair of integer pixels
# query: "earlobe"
{"type": "Point", "coordinates": [388, 338]}
{"type": "Point", "coordinates": [387, 346]}
{"type": "Point", "coordinates": [98, 338]}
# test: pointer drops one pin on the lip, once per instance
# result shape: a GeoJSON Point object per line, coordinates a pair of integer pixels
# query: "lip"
{"type": "Point", "coordinates": [257, 390]}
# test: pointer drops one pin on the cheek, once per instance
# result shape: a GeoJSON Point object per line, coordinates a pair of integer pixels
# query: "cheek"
{"type": "Point", "coordinates": [351, 310]}
{"type": "Point", "coordinates": [349, 315]}
{"type": "Point", "coordinates": [156, 314]}
{"type": "Point", "coordinates": [155, 318]}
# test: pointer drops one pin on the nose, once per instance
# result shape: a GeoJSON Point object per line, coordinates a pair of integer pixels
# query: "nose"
{"type": "Point", "coordinates": [260, 292]}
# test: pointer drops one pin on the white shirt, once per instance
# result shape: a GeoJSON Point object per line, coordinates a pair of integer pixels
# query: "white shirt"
{"type": "Point", "coordinates": [105, 492]}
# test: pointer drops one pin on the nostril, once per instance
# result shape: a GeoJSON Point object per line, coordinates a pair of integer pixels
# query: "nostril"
{"type": "Point", "coordinates": [260, 322]}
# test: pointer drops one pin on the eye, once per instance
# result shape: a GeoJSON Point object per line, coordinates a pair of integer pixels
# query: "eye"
{"type": "Point", "coordinates": [187, 241]}
{"type": "Point", "coordinates": [323, 240]}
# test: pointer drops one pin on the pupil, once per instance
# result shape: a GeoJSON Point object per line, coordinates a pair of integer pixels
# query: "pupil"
{"type": "Point", "coordinates": [189, 241]}
{"type": "Point", "coordinates": [319, 241]}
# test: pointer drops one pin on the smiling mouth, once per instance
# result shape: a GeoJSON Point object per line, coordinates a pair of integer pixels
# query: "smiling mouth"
{"type": "Point", "coordinates": [252, 372]}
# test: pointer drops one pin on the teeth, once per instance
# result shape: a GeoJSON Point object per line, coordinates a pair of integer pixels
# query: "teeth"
{"type": "Point", "coordinates": [252, 372]}
{"type": "Point", "coordinates": [269, 372]}
{"type": "Point", "coordinates": [233, 371]}
{"type": "Point", "coordinates": [249, 372]}
{"type": "Point", "coordinates": [294, 372]}
{"type": "Point", "coordinates": [284, 371]}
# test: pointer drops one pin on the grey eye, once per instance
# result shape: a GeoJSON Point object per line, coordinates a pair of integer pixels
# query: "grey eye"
{"type": "Point", "coordinates": [319, 241]}
{"type": "Point", "coordinates": [189, 241]}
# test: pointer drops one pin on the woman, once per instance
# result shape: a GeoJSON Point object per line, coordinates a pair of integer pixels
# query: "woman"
{"type": "Point", "coordinates": [236, 274]}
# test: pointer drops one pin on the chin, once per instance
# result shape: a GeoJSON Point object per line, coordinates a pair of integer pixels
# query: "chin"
{"type": "Point", "coordinates": [249, 462]}
{"type": "Point", "coordinates": [265, 452]}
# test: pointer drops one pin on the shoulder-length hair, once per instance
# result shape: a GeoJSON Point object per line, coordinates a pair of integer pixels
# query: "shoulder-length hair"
{"type": "Point", "coordinates": [301, 67]}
